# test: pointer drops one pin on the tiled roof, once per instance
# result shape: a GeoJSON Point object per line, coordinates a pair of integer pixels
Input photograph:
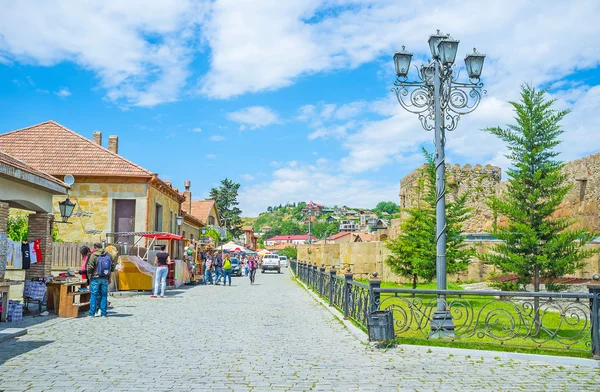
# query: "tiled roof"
{"type": "Point", "coordinates": [54, 149]}
{"type": "Point", "coordinates": [338, 235]}
{"type": "Point", "coordinates": [247, 228]}
{"type": "Point", "coordinates": [201, 209]}
{"type": "Point", "coordinates": [22, 166]}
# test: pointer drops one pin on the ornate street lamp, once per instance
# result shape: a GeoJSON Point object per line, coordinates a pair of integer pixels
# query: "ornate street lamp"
{"type": "Point", "coordinates": [66, 209]}
{"type": "Point", "coordinates": [439, 99]}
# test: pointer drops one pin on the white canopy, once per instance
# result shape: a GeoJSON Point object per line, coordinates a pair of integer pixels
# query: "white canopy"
{"type": "Point", "coordinates": [233, 247]}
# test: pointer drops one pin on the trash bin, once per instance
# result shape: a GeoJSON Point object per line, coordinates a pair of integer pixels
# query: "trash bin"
{"type": "Point", "coordinates": [380, 325]}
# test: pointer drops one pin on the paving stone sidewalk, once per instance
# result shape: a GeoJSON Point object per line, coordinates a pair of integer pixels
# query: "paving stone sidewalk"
{"type": "Point", "coordinates": [270, 336]}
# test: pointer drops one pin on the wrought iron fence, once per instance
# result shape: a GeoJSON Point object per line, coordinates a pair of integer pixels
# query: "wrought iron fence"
{"type": "Point", "coordinates": [554, 321]}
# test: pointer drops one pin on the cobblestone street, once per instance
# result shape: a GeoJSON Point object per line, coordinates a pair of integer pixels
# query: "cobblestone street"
{"type": "Point", "coordinates": [271, 336]}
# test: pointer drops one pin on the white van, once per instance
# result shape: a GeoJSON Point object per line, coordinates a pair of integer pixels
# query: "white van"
{"type": "Point", "coordinates": [283, 261]}
{"type": "Point", "coordinates": [270, 263]}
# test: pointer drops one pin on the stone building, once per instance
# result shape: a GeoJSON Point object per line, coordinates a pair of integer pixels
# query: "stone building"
{"type": "Point", "coordinates": [112, 193]}
{"type": "Point", "coordinates": [480, 182]}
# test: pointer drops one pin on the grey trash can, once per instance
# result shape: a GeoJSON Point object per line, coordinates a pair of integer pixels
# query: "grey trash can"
{"type": "Point", "coordinates": [380, 325]}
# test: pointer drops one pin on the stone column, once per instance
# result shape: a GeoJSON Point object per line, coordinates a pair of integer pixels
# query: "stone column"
{"type": "Point", "coordinates": [40, 226]}
{"type": "Point", "coordinates": [3, 238]}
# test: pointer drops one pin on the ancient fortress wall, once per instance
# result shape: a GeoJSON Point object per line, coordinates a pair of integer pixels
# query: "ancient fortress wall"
{"type": "Point", "coordinates": [582, 203]}
{"type": "Point", "coordinates": [480, 182]}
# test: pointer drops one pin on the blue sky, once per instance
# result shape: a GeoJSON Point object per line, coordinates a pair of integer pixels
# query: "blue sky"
{"type": "Point", "coordinates": [289, 98]}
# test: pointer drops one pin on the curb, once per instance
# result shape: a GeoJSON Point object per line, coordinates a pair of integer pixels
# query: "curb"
{"type": "Point", "coordinates": [11, 333]}
{"type": "Point", "coordinates": [360, 335]}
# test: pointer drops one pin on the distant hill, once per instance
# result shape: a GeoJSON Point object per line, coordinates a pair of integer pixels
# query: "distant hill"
{"type": "Point", "coordinates": [290, 220]}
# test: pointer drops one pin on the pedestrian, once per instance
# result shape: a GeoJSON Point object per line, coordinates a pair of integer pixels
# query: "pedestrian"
{"type": "Point", "coordinates": [252, 267]}
{"type": "Point", "coordinates": [245, 264]}
{"type": "Point", "coordinates": [162, 270]}
{"type": "Point", "coordinates": [218, 264]}
{"type": "Point", "coordinates": [226, 270]}
{"type": "Point", "coordinates": [85, 257]}
{"type": "Point", "coordinates": [99, 269]}
{"type": "Point", "coordinates": [208, 270]}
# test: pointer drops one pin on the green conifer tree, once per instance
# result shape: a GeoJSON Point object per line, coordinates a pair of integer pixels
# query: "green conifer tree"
{"type": "Point", "coordinates": [535, 245]}
{"type": "Point", "coordinates": [413, 253]}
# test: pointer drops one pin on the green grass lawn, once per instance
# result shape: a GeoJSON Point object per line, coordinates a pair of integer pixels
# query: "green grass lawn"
{"type": "Point", "coordinates": [492, 323]}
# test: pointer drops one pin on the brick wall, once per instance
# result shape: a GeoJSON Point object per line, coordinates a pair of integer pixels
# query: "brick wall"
{"type": "Point", "coordinates": [40, 226]}
{"type": "Point", "coordinates": [3, 238]}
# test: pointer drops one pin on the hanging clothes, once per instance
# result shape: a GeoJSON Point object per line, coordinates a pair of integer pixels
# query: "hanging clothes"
{"type": "Point", "coordinates": [38, 250]}
{"type": "Point", "coordinates": [32, 254]}
{"type": "Point", "coordinates": [26, 255]}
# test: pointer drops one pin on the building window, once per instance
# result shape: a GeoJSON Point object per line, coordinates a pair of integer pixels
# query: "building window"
{"type": "Point", "coordinates": [211, 220]}
{"type": "Point", "coordinates": [171, 221]}
{"type": "Point", "coordinates": [158, 218]}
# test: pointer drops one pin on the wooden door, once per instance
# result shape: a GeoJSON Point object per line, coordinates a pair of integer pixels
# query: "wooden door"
{"type": "Point", "coordinates": [124, 219]}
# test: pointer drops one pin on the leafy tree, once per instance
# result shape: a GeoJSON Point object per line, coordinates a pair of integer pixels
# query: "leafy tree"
{"type": "Point", "coordinates": [324, 229]}
{"type": "Point", "coordinates": [290, 228]}
{"type": "Point", "coordinates": [225, 197]}
{"type": "Point", "coordinates": [387, 206]}
{"type": "Point", "coordinates": [535, 245]}
{"type": "Point", "coordinates": [413, 253]}
{"type": "Point", "coordinates": [289, 251]}
{"type": "Point", "coordinates": [214, 234]}
{"type": "Point", "coordinates": [17, 227]}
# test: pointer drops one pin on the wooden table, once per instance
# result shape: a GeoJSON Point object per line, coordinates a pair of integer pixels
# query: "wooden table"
{"type": "Point", "coordinates": [65, 299]}
{"type": "Point", "coordinates": [4, 289]}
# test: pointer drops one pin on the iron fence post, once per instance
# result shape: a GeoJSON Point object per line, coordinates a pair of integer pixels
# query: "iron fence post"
{"type": "Point", "coordinates": [332, 280]}
{"type": "Point", "coordinates": [594, 289]}
{"type": "Point", "coordinates": [348, 276]}
{"type": "Point", "coordinates": [321, 278]}
{"type": "Point", "coordinates": [374, 296]}
{"type": "Point", "coordinates": [315, 277]}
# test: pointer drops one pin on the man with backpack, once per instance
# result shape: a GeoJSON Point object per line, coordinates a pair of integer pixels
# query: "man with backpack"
{"type": "Point", "coordinates": [99, 269]}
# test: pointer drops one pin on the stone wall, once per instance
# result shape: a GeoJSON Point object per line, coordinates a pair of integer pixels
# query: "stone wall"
{"type": "Point", "coordinates": [364, 258]}
{"type": "Point", "coordinates": [92, 217]}
{"type": "Point", "coordinates": [480, 182]}
{"type": "Point", "coordinates": [582, 203]}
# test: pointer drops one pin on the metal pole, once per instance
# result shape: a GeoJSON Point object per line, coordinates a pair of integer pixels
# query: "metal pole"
{"type": "Point", "coordinates": [441, 323]}
{"type": "Point", "coordinates": [309, 235]}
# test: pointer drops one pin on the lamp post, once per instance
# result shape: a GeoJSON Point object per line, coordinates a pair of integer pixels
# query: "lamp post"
{"type": "Point", "coordinates": [439, 99]}
{"type": "Point", "coordinates": [179, 223]}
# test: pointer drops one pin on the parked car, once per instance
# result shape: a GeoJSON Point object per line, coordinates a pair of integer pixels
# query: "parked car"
{"type": "Point", "coordinates": [283, 261]}
{"type": "Point", "coordinates": [236, 266]}
{"type": "Point", "coordinates": [270, 263]}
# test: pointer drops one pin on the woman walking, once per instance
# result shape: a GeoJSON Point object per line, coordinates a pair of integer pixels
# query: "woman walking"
{"type": "Point", "coordinates": [162, 269]}
{"type": "Point", "coordinates": [208, 270]}
{"type": "Point", "coordinates": [252, 267]}
{"type": "Point", "coordinates": [226, 270]}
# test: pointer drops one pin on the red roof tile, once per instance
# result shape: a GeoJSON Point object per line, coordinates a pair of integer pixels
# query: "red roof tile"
{"type": "Point", "coordinates": [201, 209]}
{"type": "Point", "coordinates": [303, 237]}
{"type": "Point", "coordinates": [20, 165]}
{"type": "Point", "coordinates": [55, 149]}
{"type": "Point", "coordinates": [338, 235]}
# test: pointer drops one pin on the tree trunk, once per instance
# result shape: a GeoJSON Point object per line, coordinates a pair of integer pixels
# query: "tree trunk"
{"type": "Point", "coordinates": [414, 282]}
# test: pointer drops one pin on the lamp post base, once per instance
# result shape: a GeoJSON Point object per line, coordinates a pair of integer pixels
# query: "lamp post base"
{"type": "Point", "coordinates": [442, 326]}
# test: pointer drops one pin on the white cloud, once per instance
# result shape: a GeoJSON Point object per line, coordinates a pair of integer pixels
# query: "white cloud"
{"type": "Point", "coordinates": [197, 130]}
{"type": "Point", "coordinates": [210, 156]}
{"type": "Point", "coordinates": [63, 92]}
{"type": "Point", "coordinates": [139, 49]}
{"type": "Point", "coordinates": [254, 117]}
{"type": "Point", "coordinates": [216, 138]}
{"type": "Point", "coordinates": [314, 182]}
{"type": "Point", "coordinates": [247, 177]}
{"type": "Point", "coordinates": [274, 43]}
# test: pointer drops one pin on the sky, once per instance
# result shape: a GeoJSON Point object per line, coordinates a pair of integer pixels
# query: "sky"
{"type": "Point", "coordinates": [289, 98]}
